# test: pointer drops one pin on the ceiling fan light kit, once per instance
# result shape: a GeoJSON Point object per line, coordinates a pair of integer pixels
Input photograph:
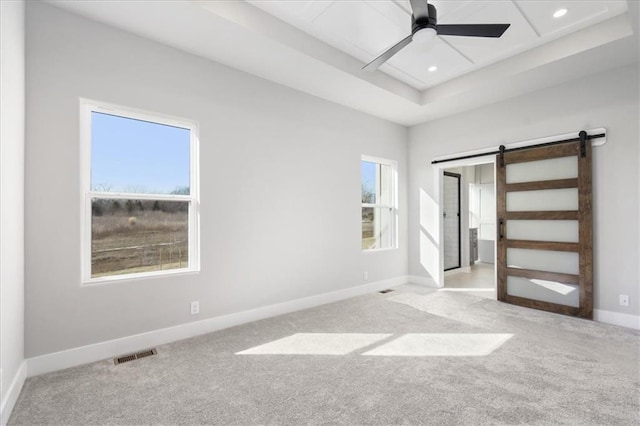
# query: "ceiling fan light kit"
{"type": "Point", "coordinates": [423, 35]}
{"type": "Point", "coordinates": [424, 27]}
{"type": "Point", "coordinates": [423, 18]}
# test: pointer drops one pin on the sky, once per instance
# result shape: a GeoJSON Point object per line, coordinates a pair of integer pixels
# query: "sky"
{"type": "Point", "coordinates": [130, 155]}
{"type": "Point", "coordinates": [368, 176]}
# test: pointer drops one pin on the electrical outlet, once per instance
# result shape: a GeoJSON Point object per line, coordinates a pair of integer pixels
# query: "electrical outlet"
{"type": "Point", "coordinates": [365, 276]}
{"type": "Point", "coordinates": [624, 300]}
{"type": "Point", "coordinates": [195, 308]}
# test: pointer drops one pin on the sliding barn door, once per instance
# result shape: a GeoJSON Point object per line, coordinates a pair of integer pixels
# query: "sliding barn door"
{"type": "Point", "coordinates": [545, 229]}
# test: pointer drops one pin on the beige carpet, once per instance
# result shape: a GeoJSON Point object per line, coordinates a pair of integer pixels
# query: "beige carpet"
{"type": "Point", "coordinates": [412, 356]}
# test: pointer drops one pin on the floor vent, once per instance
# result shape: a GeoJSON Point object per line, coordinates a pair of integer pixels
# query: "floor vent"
{"type": "Point", "coordinates": [386, 291]}
{"type": "Point", "coordinates": [138, 355]}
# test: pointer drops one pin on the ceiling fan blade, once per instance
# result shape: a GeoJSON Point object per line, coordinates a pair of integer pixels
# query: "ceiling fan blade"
{"type": "Point", "coordinates": [473, 30]}
{"type": "Point", "coordinates": [420, 9]}
{"type": "Point", "coordinates": [373, 65]}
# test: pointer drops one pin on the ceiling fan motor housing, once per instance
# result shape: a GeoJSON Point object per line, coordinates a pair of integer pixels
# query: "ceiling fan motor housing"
{"type": "Point", "coordinates": [424, 27]}
{"type": "Point", "coordinates": [422, 22]}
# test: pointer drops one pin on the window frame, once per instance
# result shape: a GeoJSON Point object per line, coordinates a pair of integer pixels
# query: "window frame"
{"type": "Point", "coordinates": [87, 107]}
{"type": "Point", "coordinates": [393, 196]}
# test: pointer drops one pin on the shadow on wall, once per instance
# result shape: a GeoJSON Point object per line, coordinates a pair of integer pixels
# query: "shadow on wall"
{"type": "Point", "coordinates": [429, 236]}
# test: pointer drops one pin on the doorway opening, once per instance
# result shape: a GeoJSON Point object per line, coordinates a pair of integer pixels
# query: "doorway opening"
{"type": "Point", "coordinates": [469, 235]}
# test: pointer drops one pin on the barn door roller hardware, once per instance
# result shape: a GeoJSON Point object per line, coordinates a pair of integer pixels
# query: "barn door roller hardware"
{"type": "Point", "coordinates": [582, 138]}
{"type": "Point", "coordinates": [583, 143]}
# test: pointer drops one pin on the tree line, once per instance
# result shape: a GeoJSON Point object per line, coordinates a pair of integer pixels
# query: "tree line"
{"type": "Point", "coordinates": [110, 206]}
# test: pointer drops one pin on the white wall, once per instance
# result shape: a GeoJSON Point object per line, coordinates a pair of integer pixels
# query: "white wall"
{"type": "Point", "coordinates": [607, 100]}
{"type": "Point", "coordinates": [12, 129]}
{"type": "Point", "coordinates": [280, 185]}
{"type": "Point", "coordinates": [484, 173]}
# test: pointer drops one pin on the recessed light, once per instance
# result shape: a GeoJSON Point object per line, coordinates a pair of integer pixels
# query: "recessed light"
{"type": "Point", "coordinates": [560, 13]}
{"type": "Point", "coordinates": [433, 68]}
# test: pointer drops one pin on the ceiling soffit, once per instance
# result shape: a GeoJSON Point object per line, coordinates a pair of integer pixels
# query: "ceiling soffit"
{"type": "Point", "coordinates": [247, 38]}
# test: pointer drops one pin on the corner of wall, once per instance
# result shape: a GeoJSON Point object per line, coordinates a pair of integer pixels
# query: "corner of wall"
{"type": "Point", "coordinates": [9, 400]}
{"type": "Point", "coordinates": [12, 143]}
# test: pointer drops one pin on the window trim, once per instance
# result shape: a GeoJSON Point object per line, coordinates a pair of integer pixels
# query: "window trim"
{"type": "Point", "coordinates": [88, 106]}
{"type": "Point", "coordinates": [394, 201]}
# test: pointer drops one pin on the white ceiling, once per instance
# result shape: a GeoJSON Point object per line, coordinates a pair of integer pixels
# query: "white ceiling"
{"type": "Point", "coordinates": [364, 29]}
{"type": "Point", "coordinates": [319, 47]}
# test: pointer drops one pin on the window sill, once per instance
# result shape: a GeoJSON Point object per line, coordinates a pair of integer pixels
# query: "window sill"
{"type": "Point", "coordinates": [138, 276]}
{"type": "Point", "coordinates": [379, 250]}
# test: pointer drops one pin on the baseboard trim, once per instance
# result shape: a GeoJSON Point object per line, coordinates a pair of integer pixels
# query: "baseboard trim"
{"type": "Point", "coordinates": [10, 399]}
{"type": "Point", "coordinates": [617, 318]}
{"type": "Point", "coordinates": [111, 348]}
{"type": "Point", "coordinates": [104, 350]}
{"type": "Point", "coordinates": [426, 281]}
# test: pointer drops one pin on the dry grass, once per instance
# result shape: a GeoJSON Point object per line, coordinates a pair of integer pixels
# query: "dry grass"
{"type": "Point", "coordinates": [139, 269]}
{"type": "Point", "coordinates": [155, 240]}
{"type": "Point", "coordinates": [368, 239]}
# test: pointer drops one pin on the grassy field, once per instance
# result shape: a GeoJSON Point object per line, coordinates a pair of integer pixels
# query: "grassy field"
{"type": "Point", "coordinates": [368, 239]}
{"type": "Point", "coordinates": [139, 241]}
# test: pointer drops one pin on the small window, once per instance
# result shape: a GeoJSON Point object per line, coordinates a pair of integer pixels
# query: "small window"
{"type": "Point", "coordinates": [139, 194]}
{"type": "Point", "coordinates": [379, 210]}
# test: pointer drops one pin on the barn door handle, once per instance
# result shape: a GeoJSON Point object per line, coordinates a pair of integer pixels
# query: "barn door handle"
{"type": "Point", "coordinates": [500, 229]}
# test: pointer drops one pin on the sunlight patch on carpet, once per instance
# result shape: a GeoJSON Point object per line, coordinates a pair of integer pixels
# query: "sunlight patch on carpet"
{"type": "Point", "coordinates": [437, 344]}
{"type": "Point", "coordinates": [316, 344]}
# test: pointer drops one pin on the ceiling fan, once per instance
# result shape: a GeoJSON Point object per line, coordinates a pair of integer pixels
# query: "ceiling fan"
{"type": "Point", "coordinates": [424, 26]}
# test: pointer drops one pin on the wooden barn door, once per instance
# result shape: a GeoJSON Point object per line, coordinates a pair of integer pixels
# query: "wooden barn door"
{"type": "Point", "coordinates": [544, 257]}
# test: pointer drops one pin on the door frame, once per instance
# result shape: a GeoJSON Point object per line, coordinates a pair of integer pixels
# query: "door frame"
{"type": "Point", "coordinates": [459, 177]}
{"type": "Point", "coordinates": [438, 172]}
{"type": "Point", "coordinates": [482, 156]}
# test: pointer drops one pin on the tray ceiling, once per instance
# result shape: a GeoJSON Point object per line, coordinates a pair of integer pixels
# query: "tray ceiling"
{"type": "Point", "coordinates": [364, 29]}
{"type": "Point", "coordinates": [320, 47]}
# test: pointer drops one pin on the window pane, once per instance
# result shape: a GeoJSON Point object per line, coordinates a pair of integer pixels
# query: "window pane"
{"type": "Point", "coordinates": [384, 186]}
{"type": "Point", "coordinates": [566, 231]}
{"type": "Point", "coordinates": [376, 183]}
{"type": "Point", "coordinates": [546, 291]}
{"type": "Point", "coordinates": [131, 236]}
{"type": "Point", "coordinates": [545, 199]}
{"type": "Point", "coordinates": [563, 262]}
{"type": "Point", "coordinates": [369, 179]}
{"type": "Point", "coordinates": [376, 228]}
{"type": "Point", "coordinates": [129, 155]}
{"type": "Point", "coordinates": [549, 169]}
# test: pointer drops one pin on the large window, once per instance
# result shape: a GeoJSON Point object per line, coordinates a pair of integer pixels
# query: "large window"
{"type": "Point", "coordinates": [139, 189]}
{"type": "Point", "coordinates": [378, 203]}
